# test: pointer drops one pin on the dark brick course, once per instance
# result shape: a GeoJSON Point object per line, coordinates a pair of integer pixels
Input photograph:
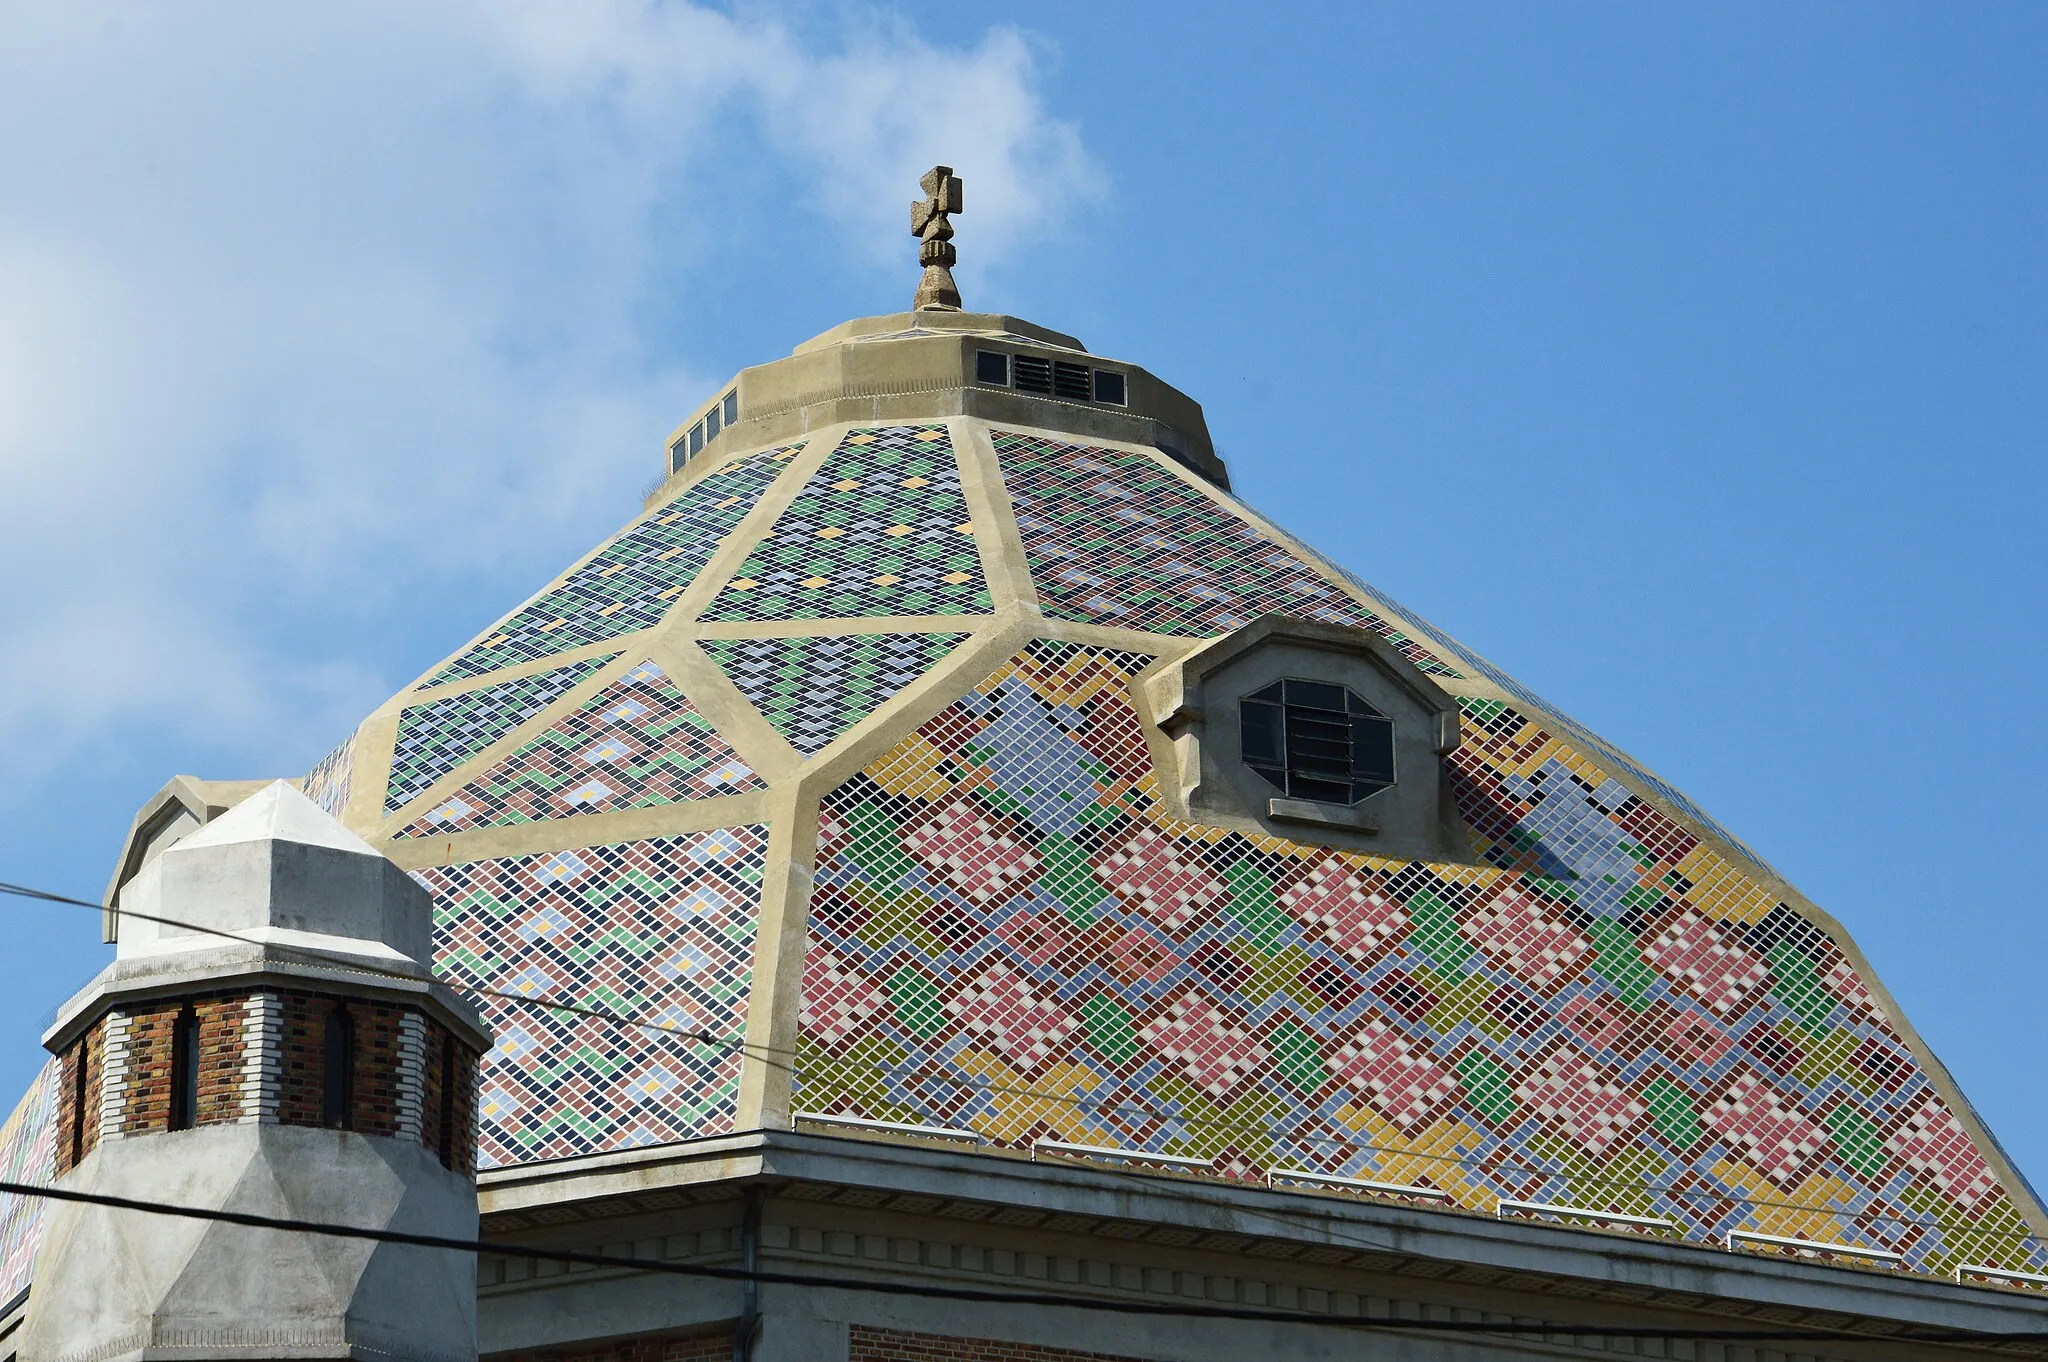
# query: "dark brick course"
{"type": "Point", "coordinates": [662, 1348]}
{"type": "Point", "coordinates": [891, 1345]}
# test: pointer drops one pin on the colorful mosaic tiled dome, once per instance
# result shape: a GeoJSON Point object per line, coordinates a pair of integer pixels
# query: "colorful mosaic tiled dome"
{"type": "Point", "coordinates": [837, 754]}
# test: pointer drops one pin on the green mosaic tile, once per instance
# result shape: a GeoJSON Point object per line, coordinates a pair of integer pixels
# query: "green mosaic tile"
{"type": "Point", "coordinates": [638, 743]}
{"type": "Point", "coordinates": [633, 581]}
{"type": "Point", "coordinates": [880, 529]}
{"type": "Point", "coordinates": [815, 688]}
{"type": "Point", "coordinates": [436, 737]}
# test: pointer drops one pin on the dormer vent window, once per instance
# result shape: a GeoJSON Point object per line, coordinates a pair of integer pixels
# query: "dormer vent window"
{"type": "Point", "coordinates": [724, 412]}
{"type": "Point", "coordinates": [1032, 375]}
{"type": "Point", "coordinates": [1316, 741]}
{"type": "Point", "coordinates": [1061, 378]}
{"type": "Point", "coordinates": [1071, 381]}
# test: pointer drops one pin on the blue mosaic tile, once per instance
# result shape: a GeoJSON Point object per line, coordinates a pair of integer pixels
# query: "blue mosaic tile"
{"type": "Point", "coordinates": [637, 744]}
{"type": "Point", "coordinates": [814, 689]}
{"type": "Point", "coordinates": [1112, 538]}
{"type": "Point", "coordinates": [327, 785]}
{"type": "Point", "coordinates": [880, 529]}
{"type": "Point", "coordinates": [1007, 933]}
{"type": "Point", "coordinates": [662, 929]}
{"type": "Point", "coordinates": [633, 581]}
{"type": "Point", "coordinates": [28, 1154]}
{"type": "Point", "coordinates": [436, 737]}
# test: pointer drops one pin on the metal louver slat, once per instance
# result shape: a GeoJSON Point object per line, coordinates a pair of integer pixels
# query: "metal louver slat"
{"type": "Point", "coordinates": [1029, 374]}
{"type": "Point", "coordinates": [1071, 381]}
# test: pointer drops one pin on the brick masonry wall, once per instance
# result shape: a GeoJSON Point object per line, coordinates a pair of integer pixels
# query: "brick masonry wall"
{"type": "Point", "coordinates": [221, 1052]}
{"type": "Point", "coordinates": [373, 1107]}
{"type": "Point", "coordinates": [462, 1140]}
{"type": "Point", "coordinates": [95, 1078]}
{"type": "Point", "coordinates": [78, 1096]}
{"type": "Point", "coordinates": [374, 1101]}
{"type": "Point", "coordinates": [890, 1345]}
{"type": "Point", "coordinates": [302, 1058]}
{"type": "Point", "coordinates": [68, 1105]}
{"type": "Point", "coordinates": [664, 1348]}
{"type": "Point", "coordinates": [145, 1090]}
{"type": "Point", "coordinates": [146, 1094]}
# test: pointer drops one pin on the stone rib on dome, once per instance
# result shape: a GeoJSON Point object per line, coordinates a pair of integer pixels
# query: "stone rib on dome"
{"type": "Point", "coordinates": [946, 868]}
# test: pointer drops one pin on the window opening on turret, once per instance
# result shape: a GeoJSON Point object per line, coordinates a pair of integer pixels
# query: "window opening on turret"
{"type": "Point", "coordinates": [696, 439]}
{"type": "Point", "coordinates": [449, 1055]}
{"type": "Point", "coordinates": [1317, 741]}
{"type": "Point", "coordinates": [79, 1108]}
{"type": "Point", "coordinates": [1061, 378]}
{"type": "Point", "coordinates": [731, 406]}
{"type": "Point", "coordinates": [711, 426]}
{"type": "Point", "coordinates": [184, 1069]}
{"type": "Point", "coordinates": [338, 1046]}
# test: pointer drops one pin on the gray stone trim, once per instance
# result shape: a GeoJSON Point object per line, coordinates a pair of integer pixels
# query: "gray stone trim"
{"type": "Point", "coordinates": [113, 1075]}
{"type": "Point", "coordinates": [412, 1075]}
{"type": "Point", "coordinates": [262, 1057]}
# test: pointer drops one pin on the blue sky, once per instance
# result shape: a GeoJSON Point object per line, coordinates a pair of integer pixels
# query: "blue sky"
{"type": "Point", "coordinates": [1685, 360]}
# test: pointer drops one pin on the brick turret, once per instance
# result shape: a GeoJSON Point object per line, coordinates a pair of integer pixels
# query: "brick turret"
{"type": "Point", "coordinates": [269, 1038]}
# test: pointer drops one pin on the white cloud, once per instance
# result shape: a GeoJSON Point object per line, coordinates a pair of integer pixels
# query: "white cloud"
{"type": "Point", "coordinates": [289, 293]}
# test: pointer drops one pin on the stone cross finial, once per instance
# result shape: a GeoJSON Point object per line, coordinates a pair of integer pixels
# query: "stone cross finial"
{"type": "Point", "coordinates": [930, 224]}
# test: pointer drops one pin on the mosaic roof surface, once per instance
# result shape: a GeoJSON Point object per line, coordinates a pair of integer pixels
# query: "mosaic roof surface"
{"type": "Point", "coordinates": [661, 930]}
{"type": "Point", "coordinates": [637, 743]}
{"type": "Point", "coordinates": [633, 581]}
{"type": "Point", "coordinates": [1114, 538]}
{"type": "Point", "coordinates": [328, 783]}
{"type": "Point", "coordinates": [434, 738]}
{"type": "Point", "coordinates": [880, 529]}
{"type": "Point", "coordinates": [28, 1153]}
{"type": "Point", "coordinates": [814, 689]}
{"type": "Point", "coordinates": [1613, 1009]}
{"type": "Point", "coordinates": [1008, 935]}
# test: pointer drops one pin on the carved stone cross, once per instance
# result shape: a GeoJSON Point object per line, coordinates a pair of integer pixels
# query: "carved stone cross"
{"type": "Point", "coordinates": [930, 224]}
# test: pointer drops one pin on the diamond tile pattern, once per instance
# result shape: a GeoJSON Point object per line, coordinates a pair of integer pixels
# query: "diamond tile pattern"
{"type": "Point", "coordinates": [814, 689]}
{"type": "Point", "coordinates": [662, 929]}
{"type": "Point", "coordinates": [1008, 934]}
{"type": "Point", "coordinates": [1113, 538]}
{"type": "Point", "coordinates": [633, 581]}
{"type": "Point", "coordinates": [880, 529]}
{"type": "Point", "coordinates": [638, 743]}
{"type": "Point", "coordinates": [436, 737]}
{"type": "Point", "coordinates": [328, 783]}
{"type": "Point", "coordinates": [28, 1153]}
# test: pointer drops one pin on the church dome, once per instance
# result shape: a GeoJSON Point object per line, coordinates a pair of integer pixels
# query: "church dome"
{"type": "Point", "coordinates": [945, 749]}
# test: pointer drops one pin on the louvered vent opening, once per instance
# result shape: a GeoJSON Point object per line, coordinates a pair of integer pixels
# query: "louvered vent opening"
{"type": "Point", "coordinates": [1030, 374]}
{"type": "Point", "coordinates": [1070, 381]}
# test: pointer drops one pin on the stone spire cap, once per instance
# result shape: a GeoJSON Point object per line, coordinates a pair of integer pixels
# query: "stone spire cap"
{"type": "Point", "coordinates": [279, 812]}
{"type": "Point", "coordinates": [276, 868]}
{"type": "Point", "coordinates": [274, 891]}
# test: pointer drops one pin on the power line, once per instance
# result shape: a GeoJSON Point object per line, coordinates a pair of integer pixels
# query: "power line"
{"type": "Point", "coordinates": [993, 1297]}
{"type": "Point", "coordinates": [1512, 1161]}
{"type": "Point", "coordinates": [350, 965]}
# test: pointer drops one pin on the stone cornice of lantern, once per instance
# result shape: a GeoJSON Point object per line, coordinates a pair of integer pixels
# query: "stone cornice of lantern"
{"type": "Point", "coordinates": [923, 366]}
